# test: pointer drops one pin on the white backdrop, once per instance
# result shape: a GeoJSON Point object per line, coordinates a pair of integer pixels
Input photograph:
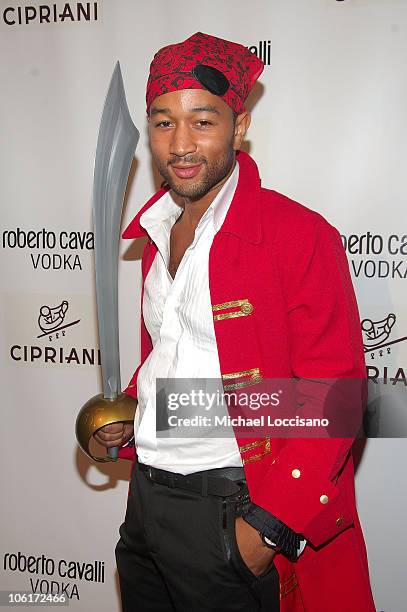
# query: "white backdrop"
{"type": "Point", "coordinates": [328, 130]}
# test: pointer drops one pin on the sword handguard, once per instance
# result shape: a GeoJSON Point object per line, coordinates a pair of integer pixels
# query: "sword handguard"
{"type": "Point", "coordinates": [98, 412]}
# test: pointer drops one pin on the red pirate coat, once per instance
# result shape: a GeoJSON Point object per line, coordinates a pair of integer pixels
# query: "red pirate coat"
{"type": "Point", "coordinates": [283, 268]}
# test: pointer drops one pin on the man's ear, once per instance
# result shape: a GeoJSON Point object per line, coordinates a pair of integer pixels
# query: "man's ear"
{"type": "Point", "coordinates": [242, 124]}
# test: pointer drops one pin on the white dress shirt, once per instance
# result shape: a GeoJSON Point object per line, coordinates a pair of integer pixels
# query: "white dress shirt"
{"type": "Point", "coordinates": [178, 316]}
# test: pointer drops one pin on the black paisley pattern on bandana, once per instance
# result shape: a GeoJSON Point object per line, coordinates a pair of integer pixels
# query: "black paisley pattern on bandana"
{"type": "Point", "coordinates": [171, 68]}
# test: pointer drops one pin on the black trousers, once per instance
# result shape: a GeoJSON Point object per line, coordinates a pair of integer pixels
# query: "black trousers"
{"type": "Point", "coordinates": [177, 553]}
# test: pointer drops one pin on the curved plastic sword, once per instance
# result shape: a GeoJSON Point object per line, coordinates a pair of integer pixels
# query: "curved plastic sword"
{"type": "Point", "coordinates": [117, 142]}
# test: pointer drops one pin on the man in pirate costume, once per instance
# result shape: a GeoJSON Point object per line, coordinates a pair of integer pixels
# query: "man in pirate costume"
{"type": "Point", "coordinates": [241, 284]}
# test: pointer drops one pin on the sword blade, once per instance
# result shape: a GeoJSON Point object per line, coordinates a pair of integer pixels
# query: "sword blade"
{"type": "Point", "coordinates": [117, 142]}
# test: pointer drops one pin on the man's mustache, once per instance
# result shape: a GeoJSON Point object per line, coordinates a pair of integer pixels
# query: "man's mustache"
{"type": "Point", "coordinates": [188, 160]}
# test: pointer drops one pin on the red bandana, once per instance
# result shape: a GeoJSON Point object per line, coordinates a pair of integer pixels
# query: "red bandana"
{"type": "Point", "coordinates": [173, 68]}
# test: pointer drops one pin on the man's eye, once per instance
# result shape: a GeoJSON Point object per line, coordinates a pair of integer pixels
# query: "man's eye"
{"type": "Point", "coordinates": [203, 123]}
{"type": "Point", "coordinates": [163, 124]}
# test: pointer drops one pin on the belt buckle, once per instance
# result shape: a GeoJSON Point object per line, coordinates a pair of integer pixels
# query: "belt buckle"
{"type": "Point", "coordinates": [150, 472]}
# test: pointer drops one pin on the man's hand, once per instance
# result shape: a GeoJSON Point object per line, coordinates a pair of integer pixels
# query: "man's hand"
{"type": "Point", "coordinates": [115, 434]}
{"type": "Point", "coordinates": [256, 555]}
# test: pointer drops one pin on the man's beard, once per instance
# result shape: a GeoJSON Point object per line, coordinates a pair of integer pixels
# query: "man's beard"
{"type": "Point", "coordinates": [196, 190]}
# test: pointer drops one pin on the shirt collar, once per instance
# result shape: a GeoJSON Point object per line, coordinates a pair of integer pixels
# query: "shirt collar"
{"type": "Point", "coordinates": [223, 200]}
{"type": "Point", "coordinates": [164, 212]}
{"type": "Point", "coordinates": [158, 220]}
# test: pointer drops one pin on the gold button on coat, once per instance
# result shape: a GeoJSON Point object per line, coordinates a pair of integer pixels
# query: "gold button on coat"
{"type": "Point", "coordinates": [296, 473]}
{"type": "Point", "coordinates": [324, 499]}
{"type": "Point", "coordinates": [247, 308]}
{"type": "Point", "coordinates": [340, 520]}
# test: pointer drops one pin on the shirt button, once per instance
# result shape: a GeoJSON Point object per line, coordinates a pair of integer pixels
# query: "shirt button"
{"type": "Point", "coordinates": [296, 473]}
{"type": "Point", "coordinates": [324, 499]}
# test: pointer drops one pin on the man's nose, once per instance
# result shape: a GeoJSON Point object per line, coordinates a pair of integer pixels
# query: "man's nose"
{"type": "Point", "coordinates": [182, 141]}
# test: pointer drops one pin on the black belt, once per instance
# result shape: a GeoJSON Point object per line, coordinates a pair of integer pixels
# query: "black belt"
{"type": "Point", "coordinates": [219, 481]}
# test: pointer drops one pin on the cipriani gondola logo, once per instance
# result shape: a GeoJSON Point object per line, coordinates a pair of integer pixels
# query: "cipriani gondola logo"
{"type": "Point", "coordinates": [52, 321]}
{"type": "Point", "coordinates": [52, 331]}
{"type": "Point", "coordinates": [380, 337]}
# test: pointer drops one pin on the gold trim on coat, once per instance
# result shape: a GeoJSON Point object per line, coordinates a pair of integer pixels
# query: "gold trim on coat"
{"type": "Point", "coordinates": [248, 447]}
{"type": "Point", "coordinates": [246, 309]}
{"type": "Point", "coordinates": [255, 378]}
{"type": "Point", "coordinates": [291, 583]}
